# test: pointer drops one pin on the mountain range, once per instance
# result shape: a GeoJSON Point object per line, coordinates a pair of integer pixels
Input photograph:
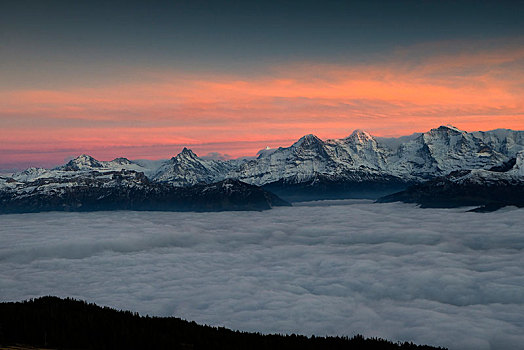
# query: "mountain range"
{"type": "Point", "coordinates": [358, 166]}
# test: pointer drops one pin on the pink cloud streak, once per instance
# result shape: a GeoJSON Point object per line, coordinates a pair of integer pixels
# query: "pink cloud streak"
{"type": "Point", "coordinates": [479, 91]}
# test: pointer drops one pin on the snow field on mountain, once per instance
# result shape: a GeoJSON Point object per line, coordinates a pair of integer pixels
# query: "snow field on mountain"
{"type": "Point", "coordinates": [435, 276]}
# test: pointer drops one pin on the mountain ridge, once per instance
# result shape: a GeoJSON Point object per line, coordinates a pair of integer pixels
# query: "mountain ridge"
{"type": "Point", "coordinates": [418, 156]}
{"type": "Point", "coordinates": [357, 166]}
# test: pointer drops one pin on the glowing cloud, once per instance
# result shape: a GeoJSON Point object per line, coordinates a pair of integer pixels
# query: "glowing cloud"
{"type": "Point", "coordinates": [476, 91]}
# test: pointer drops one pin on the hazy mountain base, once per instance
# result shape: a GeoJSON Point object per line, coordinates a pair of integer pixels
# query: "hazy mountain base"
{"type": "Point", "coordinates": [71, 324]}
{"type": "Point", "coordinates": [324, 187]}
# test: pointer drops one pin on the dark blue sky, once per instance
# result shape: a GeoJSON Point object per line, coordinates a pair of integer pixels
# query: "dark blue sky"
{"type": "Point", "coordinates": [91, 37]}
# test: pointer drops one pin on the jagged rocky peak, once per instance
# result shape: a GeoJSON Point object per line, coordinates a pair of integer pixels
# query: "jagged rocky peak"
{"type": "Point", "coordinates": [360, 136]}
{"type": "Point", "coordinates": [308, 147]}
{"type": "Point", "coordinates": [82, 162]}
{"type": "Point", "coordinates": [308, 143]}
{"type": "Point", "coordinates": [443, 132]}
{"type": "Point", "coordinates": [307, 140]}
{"type": "Point", "coordinates": [186, 169]}
{"type": "Point", "coordinates": [449, 129]}
{"type": "Point", "coordinates": [186, 153]}
{"type": "Point", "coordinates": [84, 159]}
{"type": "Point", "coordinates": [449, 136]}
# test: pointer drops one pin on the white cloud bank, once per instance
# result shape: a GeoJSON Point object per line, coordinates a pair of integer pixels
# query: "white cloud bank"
{"type": "Point", "coordinates": [433, 276]}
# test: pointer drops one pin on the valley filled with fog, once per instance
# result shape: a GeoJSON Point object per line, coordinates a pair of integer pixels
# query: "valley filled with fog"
{"type": "Point", "coordinates": [432, 276]}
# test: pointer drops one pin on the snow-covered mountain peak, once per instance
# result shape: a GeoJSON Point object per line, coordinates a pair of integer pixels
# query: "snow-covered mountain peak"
{"type": "Point", "coordinates": [82, 162]}
{"type": "Point", "coordinates": [450, 129]}
{"type": "Point", "coordinates": [442, 150]}
{"type": "Point", "coordinates": [360, 136]}
{"type": "Point", "coordinates": [186, 169]}
{"type": "Point", "coordinates": [87, 163]}
{"type": "Point", "coordinates": [186, 153]}
{"type": "Point", "coordinates": [505, 141]}
{"type": "Point", "coordinates": [84, 159]}
{"type": "Point", "coordinates": [445, 135]}
{"type": "Point", "coordinates": [308, 141]}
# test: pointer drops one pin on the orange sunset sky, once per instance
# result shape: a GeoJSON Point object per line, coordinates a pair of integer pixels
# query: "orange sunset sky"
{"type": "Point", "coordinates": [59, 98]}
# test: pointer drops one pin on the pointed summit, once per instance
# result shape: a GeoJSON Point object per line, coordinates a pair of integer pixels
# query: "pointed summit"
{"type": "Point", "coordinates": [186, 153]}
{"type": "Point", "coordinates": [84, 158]}
{"type": "Point", "coordinates": [186, 169]}
{"type": "Point", "coordinates": [447, 128]}
{"type": "Point", "coordinates": [360, 135]}
{"type": "Point", "coordinates": [308, 140]}
{"type": "Point", "coordinates": [82, 162]}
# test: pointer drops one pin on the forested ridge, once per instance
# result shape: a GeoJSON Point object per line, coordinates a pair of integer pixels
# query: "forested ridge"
{"type": "Point", "coordinates": [57, 323]}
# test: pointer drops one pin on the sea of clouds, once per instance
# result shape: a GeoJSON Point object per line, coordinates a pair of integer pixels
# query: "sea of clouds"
{"type": "Point", "coordinates": [433, 276]}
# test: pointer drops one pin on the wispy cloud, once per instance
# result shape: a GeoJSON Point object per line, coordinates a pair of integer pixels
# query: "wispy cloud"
{"type": "Point", "coordinates": [475, 90]}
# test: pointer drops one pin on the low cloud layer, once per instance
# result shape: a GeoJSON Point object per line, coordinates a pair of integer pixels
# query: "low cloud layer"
{"type": "Point", "coordinates": [434, 276]}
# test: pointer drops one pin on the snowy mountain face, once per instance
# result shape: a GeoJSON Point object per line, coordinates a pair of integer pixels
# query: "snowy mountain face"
{"type": "Point", "coordinates": [421, 157]}
{"type": "Point", "coordinates": [82, 162]}
{"type": "Point", "coordinates": [82, 165]}
{"type": "Point", "coordinates": [88, 163]}
{"type": "Point", "coordinates": [513, 174]}
{"type": "Point", "coordinates": [301, 161]}
{"type": "Point", "coordinates": [504, 141]}
{"type": "Point", "coordinates": [360, 150]}
{"type": "Point", "coordinates": [310, 157]}
{"type": "Point", "coordinates": [187, 169]}
{"type": "Point", "coordinates": [488, 189]}
{"type": "Point", "coordinates": [441, 151]}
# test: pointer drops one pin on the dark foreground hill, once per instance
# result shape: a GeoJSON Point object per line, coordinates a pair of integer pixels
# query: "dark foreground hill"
{"type": "Point", "coordinates": [130, 190]}
{"type": "Point", "coordinates": [70, 324]}
{"type": "Point", "coordinates": [488, 190]}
